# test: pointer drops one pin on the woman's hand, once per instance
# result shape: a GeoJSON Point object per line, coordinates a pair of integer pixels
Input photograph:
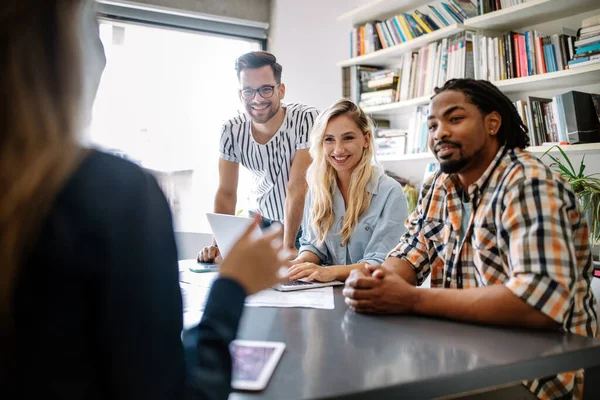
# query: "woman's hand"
{"type": "Point", "coordinates": [255, 262]}
{"type": "Point", "coordinates": [312, 272]}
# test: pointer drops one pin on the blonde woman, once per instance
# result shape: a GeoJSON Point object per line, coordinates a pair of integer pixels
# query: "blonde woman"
{"type": "Point", "coordinates": [354, 213]}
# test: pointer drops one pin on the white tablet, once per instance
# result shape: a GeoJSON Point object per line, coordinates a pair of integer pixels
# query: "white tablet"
{"type": "Point", "coordinates": [254, 363]}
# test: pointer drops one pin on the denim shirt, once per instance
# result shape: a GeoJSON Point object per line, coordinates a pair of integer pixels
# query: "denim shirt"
{"type": "Point", "coordinates": [376, 234]}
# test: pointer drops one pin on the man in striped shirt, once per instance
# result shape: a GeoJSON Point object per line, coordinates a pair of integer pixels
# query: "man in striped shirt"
{"type": "Point", "coordinates": [271, 140]}
{"type": "Point", "coordinates": [502, 237]}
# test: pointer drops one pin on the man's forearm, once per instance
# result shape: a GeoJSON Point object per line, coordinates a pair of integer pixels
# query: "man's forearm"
{"type": "Point", "coordinates": [225, 203]}
{"type": "Point", "coordinates": [401, 268]}
{"type": "Point", "coordinates": [494, 305]}
{"type": "Point", "coordinates": [294, 207]}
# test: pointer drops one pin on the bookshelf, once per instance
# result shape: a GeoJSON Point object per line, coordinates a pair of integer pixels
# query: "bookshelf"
{"type": "Point", "coordinates": [532, 12]}
{"type": "Point", "coordinates": [557, 80]}
{"type": "Point", "coordinates": [546, 16]}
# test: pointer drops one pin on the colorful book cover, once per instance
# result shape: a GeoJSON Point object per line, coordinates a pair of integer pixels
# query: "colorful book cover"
{"type": "Point", "coordinates": [439, 15]}
{"type": "Point", "coordinates": [415, 26]}
{"type": "Point", "coordinates": [427, 19]}
{"type": "Point", "coordinates": [398, 29]}
{"type": "Point", "coordinates": [454, 14]}
{"type": "Point", "coordinates": [421, 22]}
{"type": "Point", "coordinates": [467, 9]}
{"type": "Point", "coordinates": [539, 54]}
{"type": "Point", "coordinates": [380, 35]}
{"type": "Point", "coordinates": [405, 27]}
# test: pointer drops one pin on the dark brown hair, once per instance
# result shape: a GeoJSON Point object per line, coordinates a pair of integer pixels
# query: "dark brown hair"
{"type": "Point", "coordinates": [258, 59]}
{"type": "Point", "coordinates": [40, 82]}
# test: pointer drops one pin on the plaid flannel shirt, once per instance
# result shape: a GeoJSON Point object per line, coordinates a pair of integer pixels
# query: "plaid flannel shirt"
{"type": "Point", "coordinates": [526, 232]}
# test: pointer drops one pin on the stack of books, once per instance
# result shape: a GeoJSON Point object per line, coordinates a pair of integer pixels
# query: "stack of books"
{"type": "Point", "coordinates": [403, 27]}
{"type": "Point", "coordinates": [391, 142]}
{"type": "Point", "coordinates": [588, 43]}
{"type": "Point", "coordinates": [379, 87]}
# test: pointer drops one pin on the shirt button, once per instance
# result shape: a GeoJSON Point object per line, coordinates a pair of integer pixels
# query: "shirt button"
{"type": "Point", "coordinates": [366, 228]}
{"type": "Point", "coordinates": [448, 279]}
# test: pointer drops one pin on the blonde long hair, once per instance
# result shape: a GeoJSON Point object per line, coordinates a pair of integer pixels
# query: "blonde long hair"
{"type": "Point", "coordinates": [40, 82]}
{"type": "Point", "coordinates": [321, 176]}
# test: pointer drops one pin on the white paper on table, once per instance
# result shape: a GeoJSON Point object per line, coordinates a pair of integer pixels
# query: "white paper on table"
{"type": "Point", "coordinates": [191, 319]}
{"type": "Point", "coordinates": [195, 288]}
{"type": "Point", "coordinates": [310, 298]}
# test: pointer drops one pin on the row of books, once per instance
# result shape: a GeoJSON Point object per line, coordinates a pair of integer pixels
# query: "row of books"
{"type": "Point", "coordinates": [419, 71]}
{"type": "Point", "coordinates": [381, 34]}
{"type": "Point", "coordinates": [515, 55]}
{"type": "Point", "coordinates": [587, 46]}
{"type": "Point", "coordinates": [572, 117]}
{"type": "Point", "coordinates": [403, 27]}
{"type": "Point", "coordinates": [569, 118]}
{"type": "Point", "coordinates": [398, 142]}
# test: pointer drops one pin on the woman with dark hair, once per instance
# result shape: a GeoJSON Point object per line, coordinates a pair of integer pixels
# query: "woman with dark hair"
{"type": "Point", "coordinates": [90, 305]}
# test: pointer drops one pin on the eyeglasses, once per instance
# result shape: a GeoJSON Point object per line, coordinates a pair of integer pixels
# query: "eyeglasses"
{"type": "Point", "coordinates": [264, 91]}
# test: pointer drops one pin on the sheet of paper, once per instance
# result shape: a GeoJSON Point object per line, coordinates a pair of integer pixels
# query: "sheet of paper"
{"type": "Point", "coordinates": [196, 287]}
{"type": "Point", "coordinates": [310, 298]}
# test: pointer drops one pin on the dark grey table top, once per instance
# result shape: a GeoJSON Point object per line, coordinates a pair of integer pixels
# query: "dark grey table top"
{"type": "Point", "coordinates": [338, 353]}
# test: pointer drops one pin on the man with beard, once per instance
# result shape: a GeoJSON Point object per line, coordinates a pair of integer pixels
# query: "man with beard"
{"type": "Point", "coordinates": [502, 237]}
{"type": "Point", "coordinates": [271, 139]}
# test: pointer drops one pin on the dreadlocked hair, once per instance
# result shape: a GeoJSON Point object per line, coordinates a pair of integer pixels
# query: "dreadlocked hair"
{"type": "Point", "coordinates": [486, 97]}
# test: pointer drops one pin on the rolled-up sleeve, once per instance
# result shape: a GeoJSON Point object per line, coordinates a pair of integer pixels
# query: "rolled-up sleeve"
{"type": "Point", "coordinates": [389, 228]}
{"type": "Point", "coordinates": [542, 255]}
{"type": "Point", "coordinates": [303, 134]}
{"type": "Point", "coordinates": [227, 148]}
{"type": "Point", "coordinates": [309, 240]}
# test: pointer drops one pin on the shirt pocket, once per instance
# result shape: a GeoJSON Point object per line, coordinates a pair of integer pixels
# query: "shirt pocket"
{"type": "Point", "coordinates": [436, 235]}
{"type": "Point", "coordinates": [487, 256]}
{"type": "Point", "coordinates": [362, 235]}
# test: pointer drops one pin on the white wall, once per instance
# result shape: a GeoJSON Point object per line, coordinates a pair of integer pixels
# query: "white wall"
{"type": "Point", "coordinates": [308, 41]}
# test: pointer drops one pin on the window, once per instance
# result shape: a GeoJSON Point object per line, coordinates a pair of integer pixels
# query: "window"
{"type": "Point", "coordinates": [161, 102]}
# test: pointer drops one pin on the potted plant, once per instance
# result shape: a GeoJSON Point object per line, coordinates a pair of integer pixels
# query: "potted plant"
{"type": "Point", "coordinates": [586, 188]}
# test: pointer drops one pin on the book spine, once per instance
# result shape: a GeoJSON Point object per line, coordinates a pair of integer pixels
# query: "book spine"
{"type": "Point", "coordinates": [421, 23]}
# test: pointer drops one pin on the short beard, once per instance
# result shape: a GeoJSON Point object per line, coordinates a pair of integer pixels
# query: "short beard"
{"type": "Point", "coordinates": [267, 118]}
{"type": "Point", "coordinates": [453, 166]}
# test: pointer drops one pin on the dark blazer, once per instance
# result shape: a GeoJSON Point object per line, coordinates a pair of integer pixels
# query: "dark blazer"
{"type": "Point", "coordinates": [97, 304]}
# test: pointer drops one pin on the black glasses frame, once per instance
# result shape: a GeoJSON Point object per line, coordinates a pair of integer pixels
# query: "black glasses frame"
{"type": "Point", "coordinates": [265, 92]}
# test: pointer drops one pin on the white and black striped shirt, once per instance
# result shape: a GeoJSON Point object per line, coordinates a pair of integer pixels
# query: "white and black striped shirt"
{"type": "Point", "coordinates": [270, 163]}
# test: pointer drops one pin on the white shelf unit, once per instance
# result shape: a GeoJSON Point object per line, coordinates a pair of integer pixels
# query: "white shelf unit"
{"type": "Point", "coordinates": [569, 149]}
{"type": "Point", "coordinates": [530, 13]}
{"type": "Point", "coordinates": [374, 9]}
{"type": "Point", "coordinates": [406, 157]}
{"type": "Point", "coordinates": [537, 150]}
{"type": "Point", "coordinates": [556, 80]}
